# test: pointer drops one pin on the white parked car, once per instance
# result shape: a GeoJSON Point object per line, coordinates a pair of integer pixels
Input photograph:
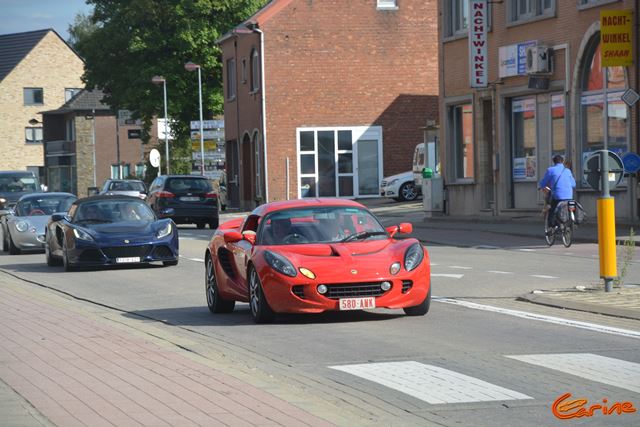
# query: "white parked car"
{"type": "Point", "coordinates": [400, 187]}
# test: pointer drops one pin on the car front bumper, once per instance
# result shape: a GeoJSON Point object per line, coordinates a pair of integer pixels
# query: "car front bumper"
{"type": "Point", "coordinates": [137, 252]}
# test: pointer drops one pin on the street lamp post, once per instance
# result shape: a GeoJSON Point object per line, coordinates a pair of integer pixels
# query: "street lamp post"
{"type": "Point", "coordinates": [190, 66]}
{"type": "Point", "coordinates": [157, 80]}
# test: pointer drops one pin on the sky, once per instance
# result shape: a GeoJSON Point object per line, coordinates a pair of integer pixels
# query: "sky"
{"type": "Point", "coordinates": [17, 16]}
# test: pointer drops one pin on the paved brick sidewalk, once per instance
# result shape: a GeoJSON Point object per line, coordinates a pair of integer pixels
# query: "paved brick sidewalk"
{"type": "Point", "coordinates": [77, 371]}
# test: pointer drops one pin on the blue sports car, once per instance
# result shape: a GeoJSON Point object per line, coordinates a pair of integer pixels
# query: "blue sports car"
{"type": "Point", "coordinates": [110, 230]}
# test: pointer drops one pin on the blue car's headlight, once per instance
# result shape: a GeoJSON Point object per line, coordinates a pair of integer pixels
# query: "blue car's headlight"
{"type": "Point", "coordinates": [413, 257]}
{"type": "Point", "coordinates": [164, 231]}
{"type": "Point", "coordinates": [280, 264]}
{"type": "Point", "coordinates": [82, 235]}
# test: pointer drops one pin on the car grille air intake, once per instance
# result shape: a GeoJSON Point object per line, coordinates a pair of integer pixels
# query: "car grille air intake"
{"type": "Point", "coordinates": [406, 286]}
{"type": "Point", "coordinates": [162, 251]}
{"type": "Point", "coordinates": [126, 251]}
{"type": "Point", "coordinates": [354, 290]}
{"type": "Point", "coordinates": [298, 291]}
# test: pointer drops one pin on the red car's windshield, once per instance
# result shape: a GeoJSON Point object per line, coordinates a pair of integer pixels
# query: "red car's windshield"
{"type": "Point", "coordinates": [322, 224]}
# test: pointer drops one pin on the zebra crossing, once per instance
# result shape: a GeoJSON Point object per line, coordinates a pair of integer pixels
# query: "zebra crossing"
{"type": "Point", "coordinates": [437, 385]}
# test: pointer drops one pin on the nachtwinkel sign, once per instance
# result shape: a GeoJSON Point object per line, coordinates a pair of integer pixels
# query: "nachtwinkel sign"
{"type": "Point", "coordinates": [478, 64]}
{"type": "Point", "coordinates": [616, 29]}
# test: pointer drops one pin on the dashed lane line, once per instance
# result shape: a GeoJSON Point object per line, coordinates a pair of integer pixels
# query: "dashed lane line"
{"type": "Point", "coordinates": [460, 267]}
{"type": "Point", "coordinates": [542, 276]}
{"type": "Point", "coordinates": [451, 276]}
{"type": "Point", "coordinates": [192, 259]}
{"type": "Point", "coordinates": [499, 272]}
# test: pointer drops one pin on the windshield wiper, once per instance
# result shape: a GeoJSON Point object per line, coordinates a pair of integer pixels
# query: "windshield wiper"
{"type": "Point", "coordinates": [95, 220]}
{"type": "Point", "coordinates": [363, 235]}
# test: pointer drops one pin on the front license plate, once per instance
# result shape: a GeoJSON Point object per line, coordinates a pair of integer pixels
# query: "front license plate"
{"type": "Point", "coordinates": [357, 303]}
{"type": "Point", "coordinates": [128, 259]}
{"type": "Point", "coordinates": [190, 199]}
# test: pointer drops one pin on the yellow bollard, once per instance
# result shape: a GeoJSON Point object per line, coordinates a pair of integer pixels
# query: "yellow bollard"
{"type": "Point", "coordinates": [607, 238]}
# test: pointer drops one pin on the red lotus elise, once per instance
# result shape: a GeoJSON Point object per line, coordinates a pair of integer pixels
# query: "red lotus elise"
{"type": "Point", "coordinates": [315, 255]}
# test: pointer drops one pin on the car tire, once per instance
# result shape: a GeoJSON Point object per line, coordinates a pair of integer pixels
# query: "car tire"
{"type": "Point", "coordinates": [223, 207]}
{"type": "Point", "coordinates": [408, 192]}
{"type": "Point", "coordinates": [214, 224]}
{"type": "Point", "coordinates": [3, 242]}
{"type": "Point", "coordinates": [200, 225]}
{"type": "Point", "coordinates": [13, 249]}
{"type": "Point", "coordinates": [170, 263]}
{"type": "Point", "coordinates": [65, 258]}
{"type": "Point", "coordinates": [260, 309]}
{"type": "Point", "coordinates": [215, 302]}
{"type": "Point", "coordinates": [420, 309]}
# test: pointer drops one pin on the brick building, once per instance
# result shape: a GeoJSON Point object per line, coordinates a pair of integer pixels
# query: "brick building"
{"type": "Point", "coordinates": [38, 71]}
{"type": "Point", "coordinates": [325, 98]}
{"type": "Point", "coordinates": [69, 145]}
{"type": "Point", "coordinates": [499, 139]}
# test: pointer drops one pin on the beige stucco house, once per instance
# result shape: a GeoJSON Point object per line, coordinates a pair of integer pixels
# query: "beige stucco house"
{"type": "Point", "coordinates": [38, 71]}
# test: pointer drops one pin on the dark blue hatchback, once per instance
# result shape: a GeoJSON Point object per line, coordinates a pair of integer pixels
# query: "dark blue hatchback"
{"type": "Point", "coordinates": [110, 230]}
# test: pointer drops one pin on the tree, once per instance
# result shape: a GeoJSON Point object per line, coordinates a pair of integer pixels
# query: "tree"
{"type": "Point", "coordinates": [134, 40]}
{"type": "Point", "coordinates": [81, 28]}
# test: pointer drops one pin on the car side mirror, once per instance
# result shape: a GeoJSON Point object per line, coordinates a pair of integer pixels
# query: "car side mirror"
{"type": "Point", "coordinates": [249, 236]}
{"type": "Point", "coordinates": [58, 217]}
{"type": "Point", "coordinates": [4, 212]}
{"type": "Point", "coordinates": [232, 236]}
{"type": "Point", "coordinates": [405, 228]}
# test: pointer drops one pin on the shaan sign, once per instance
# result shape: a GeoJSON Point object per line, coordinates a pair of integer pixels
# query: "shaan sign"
{"type": "Point", "coordinates": [615, 38]}
{"type": "Point", "coordinates": [478, 64]}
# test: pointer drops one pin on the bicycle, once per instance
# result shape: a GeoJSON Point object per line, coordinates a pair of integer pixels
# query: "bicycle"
{"type": "Point", "coordinates": [565, 223]}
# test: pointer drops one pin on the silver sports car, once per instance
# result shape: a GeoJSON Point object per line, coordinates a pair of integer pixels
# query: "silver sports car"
{"type": "Point", "coordinates": [23, 228]}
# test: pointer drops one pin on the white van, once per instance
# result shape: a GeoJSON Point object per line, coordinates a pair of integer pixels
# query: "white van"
{"type": "Point", "coordinates": [419, 159]}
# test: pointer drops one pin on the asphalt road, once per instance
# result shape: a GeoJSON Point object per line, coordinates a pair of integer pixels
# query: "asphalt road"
{"type": "Point", "coordinates": [479, 358]}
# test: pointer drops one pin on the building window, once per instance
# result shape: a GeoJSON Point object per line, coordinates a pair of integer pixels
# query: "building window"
{"type": "Point", "coordinates": [32, 135]}
{"type": "Point", "coordinates": [231, 78]}
{"type": "Point", "coordinates": [387, 4]}
{"type": "Point", "coordinates": [523, 139]}
{"type": "Point", "coordinates": [598, 113]}
{"type": "Point", "coordinates": [140, 169]}
{"type": "Point", "coordinates": [457, 17]}
{"type": "Point", "coordinates": [526, 10]}
{"type": "Point", "coordinates": [461, 122]}
{"type": "Point", "coordinates": [70, 93]}
{"type": "Point", "coordinates": [558, 126]}
{"type": "Point", "coordinates": [126, 171]}
{"type": "Point", "coordinates": [244, 70]}
{"type": "Point", "coordinates": [255, 71]}
{"type": "Point", "coordinates": [342, 162]}
{"type": "Point", "coordinates": [115, 172]}
{"type": "Point", "coordinates": [584, 4]}
{"type": "Point", "coordinates": [33, 96]}
{"type": "Point", "coordinates": [70, 129]}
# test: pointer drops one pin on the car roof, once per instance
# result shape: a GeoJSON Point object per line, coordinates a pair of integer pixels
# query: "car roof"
{"type": "Point", "coordinates": [52, 194]}
{"type": "Point", "coordinates": [185, 176]}
{"type": "Point", "coordinates": [105, 197]}
{"type": "Point", "coordinates": [302, 203]}
{"type": "Point", "coordinates": [28, 173]}
{"type": "Point", "coordinates": [124, 180]}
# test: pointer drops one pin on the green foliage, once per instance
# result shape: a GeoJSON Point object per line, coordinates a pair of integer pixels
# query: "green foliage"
{"type": "Point", "coordinates": [81, 28]}
{"type": "Point", "coordinates": [134, 40]}
{"type": "Point", "coordinates": [625, 253]}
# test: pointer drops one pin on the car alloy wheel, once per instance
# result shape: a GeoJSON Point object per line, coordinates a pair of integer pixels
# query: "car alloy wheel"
{"type": "Point", "coordinates": [51, 261]}
{"type": "Point", "coordinates": [13, 249]}
{"type": "Point", "coordinates": [260, 310]}
{"type": "Point", "coordinates": [215, 302]}
{"type": "Point", "coordinates": [65, 257]}
{"type": "Point", "coordinates": [408, 191]}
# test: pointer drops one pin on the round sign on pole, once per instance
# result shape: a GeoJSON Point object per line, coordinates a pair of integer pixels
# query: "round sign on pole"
{"type": "Point", "coordinates": [154, 158]}
{"type": "Point", "coordinates": [592, 170]}
{"type": "Point", "coordinates": [631, 162]}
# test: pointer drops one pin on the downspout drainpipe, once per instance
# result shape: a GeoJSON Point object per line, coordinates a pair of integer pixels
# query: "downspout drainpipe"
{"type": "Point", "coordinates": [238, 136]}
{"type": "Point", "coordinates": [264, 117]}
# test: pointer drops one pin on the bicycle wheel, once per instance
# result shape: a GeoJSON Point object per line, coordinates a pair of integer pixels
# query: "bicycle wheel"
{"type": "Point", "coordinates": [567, 234]}
{"type": "Point", "coordinates": [549, 234]}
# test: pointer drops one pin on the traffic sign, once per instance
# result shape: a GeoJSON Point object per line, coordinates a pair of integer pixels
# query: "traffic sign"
{"type": "Point", "coordinates": [631, 162]}
{"type": "Point", "coordinates": [154, 158]}
{"type": "Point", "coordinates": [592, 170]}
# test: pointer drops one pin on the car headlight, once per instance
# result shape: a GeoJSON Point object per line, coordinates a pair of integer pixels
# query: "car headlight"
{"type": "Point", "coordinates": [165, 231]}
{"type": "Point", "coordinates": [22, 226]}
{"type": "Point", "coordinates": [280, 264]}
{"type": "Point", "coordinates": [82, 235]}
{"type": "Point", "coordinates": [413, 257]}
{"type": "Point", "coordinates": [392, 182]}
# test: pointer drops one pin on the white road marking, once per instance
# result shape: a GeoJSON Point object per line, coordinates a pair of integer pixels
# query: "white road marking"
{"type": "Point", "coordinates": [542, 276]}
{"type": "Point", "coordinates": [526, 250]}
{"type": "Point", "coordinates": [542, 318]}
{"type": "Point", "coordinates": [451, 276]}
{"type": "Point", "coordinates": [192, 259]}
{"type": "Point", "coordinates": [430, 383]}
{"type": "Point", "coordinates": [499, 272]}
{"type": "Point", "coordinates": [459, 267]}
{"type": "Point", "coordinates": [606, 370]}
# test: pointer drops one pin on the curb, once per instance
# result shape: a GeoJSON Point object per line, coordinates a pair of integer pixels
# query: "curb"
{"type": "Point", "coordinates": [580, 306]}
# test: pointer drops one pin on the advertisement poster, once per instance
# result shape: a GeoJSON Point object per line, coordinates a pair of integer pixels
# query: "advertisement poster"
{"type": "Point", "coordinates": [524, 168]}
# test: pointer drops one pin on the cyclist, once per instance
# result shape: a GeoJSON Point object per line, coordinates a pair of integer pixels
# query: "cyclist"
{"type": "Point", "coordinates": [559, 179]}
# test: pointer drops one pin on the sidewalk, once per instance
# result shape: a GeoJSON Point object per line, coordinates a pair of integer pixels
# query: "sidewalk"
{"type": "Point", "coordinates": [61, 366]}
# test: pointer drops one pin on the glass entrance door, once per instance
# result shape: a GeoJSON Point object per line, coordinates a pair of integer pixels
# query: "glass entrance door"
{"type": "Point", "coordinates": [368, 167]}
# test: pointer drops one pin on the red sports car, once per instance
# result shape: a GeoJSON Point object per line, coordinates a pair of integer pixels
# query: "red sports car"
{"type": "Point", "coordinates": [315, 255]}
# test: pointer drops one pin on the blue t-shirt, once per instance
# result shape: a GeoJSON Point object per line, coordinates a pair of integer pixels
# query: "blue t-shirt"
{"type": "Point", "coordinates": [563, 180]}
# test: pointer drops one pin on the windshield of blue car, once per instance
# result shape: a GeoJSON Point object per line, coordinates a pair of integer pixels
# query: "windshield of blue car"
{"type": "Point", "coordinates": [322, 224]}
{"type": "Point", "coordinates": [113, 210]}
{"type": "Point", "coordinates": [43, 205]}
{"type": "Point", "coordinates": [127, 186]}
{"type": "Point", "coordinates": [17, 183]}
